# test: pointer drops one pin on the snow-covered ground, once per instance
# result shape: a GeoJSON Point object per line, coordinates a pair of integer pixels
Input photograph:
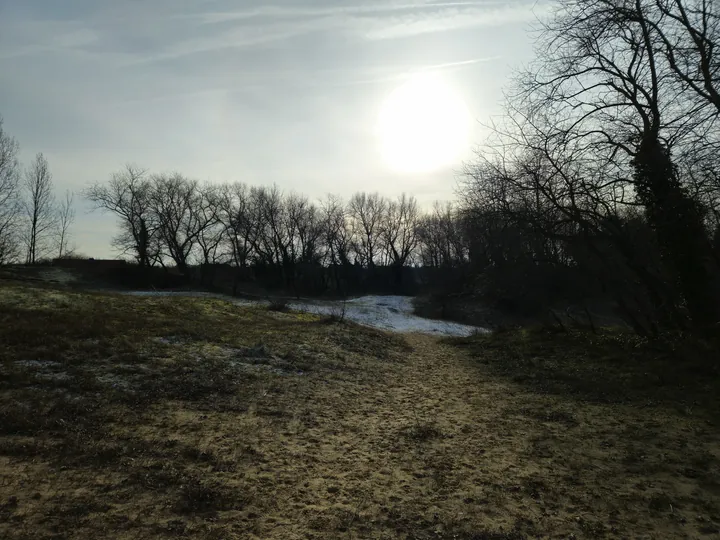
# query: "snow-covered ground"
{"type": "Point", "coordinates": [394, 313]}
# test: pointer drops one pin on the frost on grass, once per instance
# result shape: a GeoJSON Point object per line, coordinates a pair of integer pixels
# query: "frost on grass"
{"type": "Point", "coordinates": [257, 358]}
{"type": "Point", "coordinates": [44, 369]}
{"type": "Point", "coordinates": [171, 340]}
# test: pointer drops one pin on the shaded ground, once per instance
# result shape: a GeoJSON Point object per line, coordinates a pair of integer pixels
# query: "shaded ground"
{"type": "Point", "coordinates": [130, 417]}
{"type": "Point", "coordinates": [475, 310]}
{"type": "Point", "coordinates": [391, 312]}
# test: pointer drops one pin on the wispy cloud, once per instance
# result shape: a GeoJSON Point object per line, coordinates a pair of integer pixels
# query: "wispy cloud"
{"type": "Point", "coordinates": [157, 35]}
{"type": "Point", "coordinates": [34, 37]}
{"type": "Point", "coordinates": [276, 11]}
{"type": "Point", "coordinates": [399, 72]}
{"type": "Point", "coordinates": [447, 20]}
{"type": "Point", "coordinates": [368, 22]}
{"type": "Point", "coordinates": [262, 82]}
{"type": "Point", "coordinates": [238, 37]}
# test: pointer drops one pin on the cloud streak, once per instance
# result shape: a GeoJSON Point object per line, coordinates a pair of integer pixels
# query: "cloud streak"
{"type": "Point", "coordinates": [159, 37]}
{"type": "Point", "coordinates": [239, 37]}
{"type": "Point", "coordinates": [399, 73]}
{"type": "Point", "coordinates": [37, 37]}
{"type": "Point", "coordinates": [372, 23]}
{"type": "Point", "coordinates": [259, 81]}
{"type": "Point", "coordinates": [446, 21]}
{"type": "Point", "coordinates": [330, 10]}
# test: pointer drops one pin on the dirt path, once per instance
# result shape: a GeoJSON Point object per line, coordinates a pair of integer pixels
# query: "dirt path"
{"type": "Point", "coordinates": [435, 447]}
{"type": "Point", "coordinates": [412, 450]}
{"type": "Point", "coordinates": [427, 448]}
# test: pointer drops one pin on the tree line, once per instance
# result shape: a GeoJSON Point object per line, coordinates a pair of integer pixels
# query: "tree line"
{"type": "Point", "coordinates": [34, 224]}
{"type": "Point", "coordinates": [167, 218]}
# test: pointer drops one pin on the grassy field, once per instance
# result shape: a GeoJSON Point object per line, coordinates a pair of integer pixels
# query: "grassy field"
{"type": "Point", "coordinates": [125, 417]}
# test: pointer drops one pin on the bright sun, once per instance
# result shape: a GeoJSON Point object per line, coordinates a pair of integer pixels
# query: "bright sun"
{"type": "Point", "coordinates": [423, 125]}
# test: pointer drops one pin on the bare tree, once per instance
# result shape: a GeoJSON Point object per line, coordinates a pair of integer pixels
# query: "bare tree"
{"type": "Point", "coordinates": [305, 229]}
{"type": "Point", "coordinates": [182, 214]}
{"type": "Point", "coordinates": [65, 219]}
{"type": "Point", "coordinates": [212, 235]}
{"type": "Point", "coordinates": [9, 202]}
{"type": "Point", "coordinates": [237, 216]}
{"type": "Point", "coordinates": [442, 237]}
{"type": "Point", "coordinates": [399, 231]}
{"type": "Point", "coordinates": [366, 213]}
{"type": "Point", "coordinates": [128, 196]}
{"type": "Point", "coordinates": [39, 207]}
{"type": "Point", "coordinates": [273, 240]}
{"type": "Point", "coordinates": [595, 128]}
{"type": "Point", "coordinates": [336, 234]}
{"type": "Point", "coordinates": [336, 238]}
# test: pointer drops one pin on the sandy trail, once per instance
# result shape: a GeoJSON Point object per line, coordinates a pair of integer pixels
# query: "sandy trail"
{"type": "Point", "coordinates": [436, 443]}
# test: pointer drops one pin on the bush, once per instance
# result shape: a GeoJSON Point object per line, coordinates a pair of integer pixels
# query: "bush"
{"type": "Point", "coordinates": [279, 304]}
{"type": "Point", "coordinates": [337, 314]}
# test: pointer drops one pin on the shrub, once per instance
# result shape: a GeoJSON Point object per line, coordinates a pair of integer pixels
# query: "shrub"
{"type": "Point", "coordinates": [279, 304]}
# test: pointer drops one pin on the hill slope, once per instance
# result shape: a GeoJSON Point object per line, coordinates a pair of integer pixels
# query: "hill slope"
{"type": "Point", "coordinates": [126, 417]}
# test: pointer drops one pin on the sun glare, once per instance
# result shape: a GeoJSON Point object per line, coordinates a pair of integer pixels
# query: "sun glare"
{"type": "Point", "coordinates": [423, 125]}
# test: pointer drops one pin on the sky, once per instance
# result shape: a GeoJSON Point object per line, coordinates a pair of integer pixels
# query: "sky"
{"type": "Point", "coordinates": [262, 92]}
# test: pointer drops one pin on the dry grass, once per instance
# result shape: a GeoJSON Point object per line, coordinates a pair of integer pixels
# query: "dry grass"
{"type": "Point", "coordinates": [605, 436]}
{"type": "Point", "coordinates": [183, 417]}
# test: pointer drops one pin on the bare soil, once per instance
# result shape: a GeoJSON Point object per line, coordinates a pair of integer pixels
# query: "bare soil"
{"type": "Point", "coordinates": [125, 417]}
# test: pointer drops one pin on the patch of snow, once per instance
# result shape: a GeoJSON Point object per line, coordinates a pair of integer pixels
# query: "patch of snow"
{"type": "Point", "coordinates": [258, 358]}
{"type": "Point", "coordinates": [170, 340]}
{"type": "Point", "coordinates": [40, 364]}
{"type": "Point", "coordinates": [45, 369]}
{"type": "Point", "coordinates": [59, 392]}
{"type": "Point", "coordinates": [117, 382]}
{"type": "Point", "coordinates": [59, 376]}
{"type": "Point", "coordinates": [393, 313]}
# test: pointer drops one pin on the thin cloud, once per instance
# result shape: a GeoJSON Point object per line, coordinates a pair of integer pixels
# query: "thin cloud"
{"type": "Point", "coordinates": [461, 63]}
{"type": "Point", "coordinates": [401, 72]}
{"type": "Point", "coordinates": [239, 37]}
{"type": "Point", "coordinates": [260, 81]}
{"type": "Point", "coordinates": [37, 37]}
{"type": "Point", "coordinates": [401, 27]}
{"type": "Point", "coordinates": [320, 11]}
{"type": "Point", "coordinates": [167, 38]}
{"type": "Point", "coordinates": [371, 23]}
